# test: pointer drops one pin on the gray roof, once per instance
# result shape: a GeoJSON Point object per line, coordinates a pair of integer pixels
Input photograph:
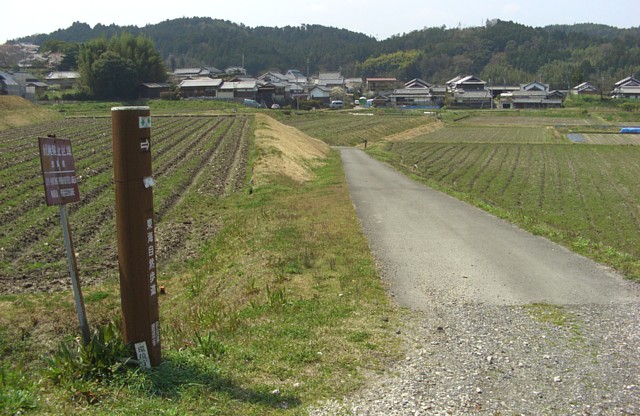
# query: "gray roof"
{"type": "Point", "coordinates": [627, 81]}
{"type": "Point", "coordinates": [155, 84]}
{"type": "Point", "coordinates": [239, 85]}
{"type": "Point", "coordinates": [8, 79]}
{"type": "Point", "coordinates": [63, 75]}
{"type": "Point", "coordinates": [201, 82]}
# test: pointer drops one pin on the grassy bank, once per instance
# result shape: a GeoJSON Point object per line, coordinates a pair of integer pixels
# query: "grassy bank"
{"type": "Point", "coordinates": [18, 112]}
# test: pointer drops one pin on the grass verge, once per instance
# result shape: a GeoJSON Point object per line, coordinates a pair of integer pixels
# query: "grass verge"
{"type": "Point", "coordinates": [282, 308]}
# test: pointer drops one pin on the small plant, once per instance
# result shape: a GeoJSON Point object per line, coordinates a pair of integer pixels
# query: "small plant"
{"type": "Point", "coordinates": [13, 400]}
{"type": "Point", "coordinates": [104, 357]}
{"type": "Point", "coordinates": [276, 298]}
{"type": "Point", "coordinates": [209, 346]}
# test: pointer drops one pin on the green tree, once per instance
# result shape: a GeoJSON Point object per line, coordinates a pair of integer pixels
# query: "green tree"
{"type": "Point", "coordinates": [115, 68]}
{"type": "Point", "coordinates": [577, 77]}
{"type": "Point", "coordinates": [114, 77]}
{"type": "Point", "coordinates": [141, 52]}
{"type": "Point", "coordinates": [88, 54]}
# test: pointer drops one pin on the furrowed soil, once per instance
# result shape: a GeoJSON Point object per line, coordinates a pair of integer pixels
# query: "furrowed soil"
{"type": "Point", "coordinates": [207, 155]}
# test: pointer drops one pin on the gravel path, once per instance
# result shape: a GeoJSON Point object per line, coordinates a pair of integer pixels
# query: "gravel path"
{"type": "Point", "coordinates": [495, 324]}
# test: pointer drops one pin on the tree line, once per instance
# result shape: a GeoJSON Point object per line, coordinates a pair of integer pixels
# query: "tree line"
{"type": "Point", "coordinates": [499, 52]}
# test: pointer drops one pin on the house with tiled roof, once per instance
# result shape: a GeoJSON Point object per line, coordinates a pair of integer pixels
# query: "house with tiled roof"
{"type": "Point", "coordinates": [64, 79]}
{"type": "Point", "coordinates": [380, 85]}
{"type": "Point", "coordinates": [415, 93]}
{"type": "Point", "coordinates": [469, 91]}
{"type": "Point", "coordinates": [584, 89]}
{"type": "Point", "coordinates": [627, 88]}
{"type": "Point", "coordinates": [200, 87]}
{"type": "Point", "coordinates": [330, 80]}
{"type": "Point", "coordinates": [532, 95]}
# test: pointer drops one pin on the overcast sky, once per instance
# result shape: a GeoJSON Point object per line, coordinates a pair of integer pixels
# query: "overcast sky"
{"type": "Point", "coordinates": [378, 18]}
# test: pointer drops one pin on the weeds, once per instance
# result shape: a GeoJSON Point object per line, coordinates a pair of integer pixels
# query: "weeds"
{"type": "Point", "coordinates": [103, 358]}
{"type": "Point", "coordinates": [13, 399]}
{"type": "Point", "coordinates": [209, 346]}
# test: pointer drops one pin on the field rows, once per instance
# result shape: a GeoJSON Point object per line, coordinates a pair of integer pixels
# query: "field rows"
{"type": "Point", "coordinates": [511, 134]}
{"type": "Point", "coordinates": [207, 153]}
{"type": "Point", "coordinates": [344, 129]}
{"type": "Point", "coordinates": [605, 138]}
{"type": "Point", "coordinates": [583, 191]}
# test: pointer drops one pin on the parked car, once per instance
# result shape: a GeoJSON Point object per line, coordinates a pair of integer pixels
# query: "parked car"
{"type": "Point", "coordinates": [336, 104]}
{"type": "Point", "coordinates": [251, 103]}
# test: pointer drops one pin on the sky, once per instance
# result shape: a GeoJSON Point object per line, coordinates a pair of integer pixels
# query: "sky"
{"type": "Point", "coordinates": [377, 18]}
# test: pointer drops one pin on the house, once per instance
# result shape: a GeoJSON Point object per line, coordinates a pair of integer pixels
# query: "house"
{"type": "Point", "coordinates": [330, 80]}
{"type": "Point", "coordinates": [8, 85]}
{"type": "Point", "coordinates": [353, 85]}
{"type": "Point", "coordinates": [273, 76]}
{"type": "Point", "coordinates": [293, 75]}
{"type": "Point", "coordinates": [469, 91]}
{"type": "Point", "coordinates": [584, 89]}
{"type": "Point", "coordinates": [627, 88]}
{"type": "Point", "coordinates": [466, 83]}
{"type": "Point", "coordinates": [380, 85]}
{"type": "Point", "coordinates": [416, 92]}
{"type": "Point", "coordinates": [244, 88]}
{"type": "Point", "coordinates": [271, 93]}
{"type": "Point", "coordinates": [64, 79]}
{"type": "Point", "coordinates": [35, 90]}
{"type": "Point", "coordinates": [532, 95]}
{"type": "Point", "coordinates": [199, 72]}
{"type": "Point", "coordinates": [320, 93]}
{"type": "Point", "coordinates": [200, 87]}
{"type": "Point", "coordinates": [153, 89]}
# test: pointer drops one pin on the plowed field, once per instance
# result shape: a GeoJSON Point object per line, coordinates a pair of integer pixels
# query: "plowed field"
{"type": "Point", "coordinates": [190, 154]}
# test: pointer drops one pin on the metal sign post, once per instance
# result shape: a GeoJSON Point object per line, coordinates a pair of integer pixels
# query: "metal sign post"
{"type": "Point", "coordinates": [61, 187]}
{"type": "Point", "coordinates": [131, 127]}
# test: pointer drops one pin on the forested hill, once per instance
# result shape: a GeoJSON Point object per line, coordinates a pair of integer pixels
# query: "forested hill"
{"type": "Point", "coordinates": [503, 52]}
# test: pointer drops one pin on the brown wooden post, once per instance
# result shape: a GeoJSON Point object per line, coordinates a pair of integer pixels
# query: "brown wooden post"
{"type": "Point", "coordinates": [131, 127]}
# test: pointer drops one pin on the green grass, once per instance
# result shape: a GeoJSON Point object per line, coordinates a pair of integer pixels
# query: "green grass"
{"type": "Point", "coordinates": [281, 308]}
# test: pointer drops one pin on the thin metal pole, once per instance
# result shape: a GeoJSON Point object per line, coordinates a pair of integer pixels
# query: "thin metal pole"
{"type": "Point", "coordinates": [73, 271]}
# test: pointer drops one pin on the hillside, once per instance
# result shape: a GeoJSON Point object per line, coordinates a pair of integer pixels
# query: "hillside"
{"type": "Point", "coordinates": [505, 52]}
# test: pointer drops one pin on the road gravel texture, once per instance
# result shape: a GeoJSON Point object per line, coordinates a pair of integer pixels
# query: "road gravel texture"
{"type": "Point", "coordinates": [498, 321]}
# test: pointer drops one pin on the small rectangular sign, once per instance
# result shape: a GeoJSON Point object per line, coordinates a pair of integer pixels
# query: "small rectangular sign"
{"type": "Point", "coordinates": [144, 122]}
{"type": "Point", "coordinates": [58, 171]}
{"type": "Point", "coordinates": [142, 353]}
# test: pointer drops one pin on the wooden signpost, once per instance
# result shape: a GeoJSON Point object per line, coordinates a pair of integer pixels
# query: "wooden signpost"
{"type": "Point", "coordinates": [61, 188]}
{"type": "Point", "coordinates": [131, 127]}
